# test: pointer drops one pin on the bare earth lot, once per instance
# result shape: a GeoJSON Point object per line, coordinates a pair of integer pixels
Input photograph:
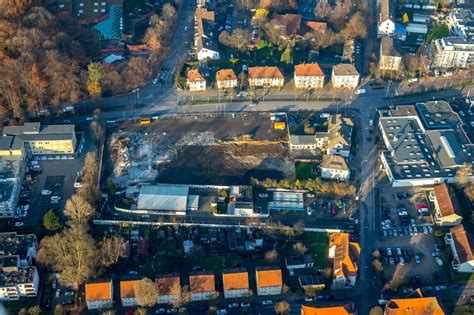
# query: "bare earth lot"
{"type": "Point", "coordinates": [201, 150]}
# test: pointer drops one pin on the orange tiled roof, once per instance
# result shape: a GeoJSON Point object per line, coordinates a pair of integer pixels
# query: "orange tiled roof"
{"type": "Point", "coordinates": [446, 200]}
{"type": "Point", "coordinates": [235, 280]}
{"type": "Point", "coordinates": [225, 74]}
{"type": "Point", "coordinates": [316, 26]}
{"type": "Point", "coordinates": [98, 291]}
{"type": "Point", "coordinates": [308, 70]}
{"type": "Point", "coordinates": [346, 254]}
{"type": "Point", "coordinates": [202, 283]}
{"type": "Point", "coordinates": [265, 72]}
{"type": "Point", "coordinates": [270, 277]}
{"type": "Point", "coordinates": [127, 288]}
{"type": "Point", "coordinates": [462, 243]}
{"type": "Point", "coordinates": [332, 310]}
{"type": "Point", "coordinates": [416, 306]}
{"type": "Point", "coordinates": [194, 76]}
{"type": "Point", "coordinates": [166, 284]}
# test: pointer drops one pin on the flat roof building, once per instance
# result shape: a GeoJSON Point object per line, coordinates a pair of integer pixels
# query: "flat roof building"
{"type": "Point", "coordinates": [166, 199]}
{"type": "Point", "coordinates": [425, 144]}
{"type": "Point", "coordinates": [286, 200]}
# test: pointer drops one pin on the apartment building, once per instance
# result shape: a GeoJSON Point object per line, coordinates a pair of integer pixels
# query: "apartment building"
{"type": "Point", "coordinates": [269, 281]}
{"type": "Point", "coordinates": [346, 308]}
{"type": "Point", "coordinates": [308, 76]}
{"type": "Point", "coordinates": [447, 209]}
{"type": "Point", "coordinates": [43, 140]}
{"type": "Point", "coordinates": [127, 293]}
{"type": "Point", "coordinates": [386, 18]}
{"type": "Point", "coordinates": [451, 53]}
{"type": "Point", "coordinates": [206, 45]}
{"type": "Point", "coordinates": [99, 295]}
{"type": "Point", "coordinates": [462, 247]}
{"type": "Point", "coordinates": [266, 77]}
{"type": "Point", "coordinates": [226, 79]}
{"type": "Point", "coordinates": [461, 23]}
{"type": "Point", "coordinates": [195, 81]}
{"type": "Point", "coordinates": [345, 76]}
{"type": "Point", "coordinates": [334, 167]}
{"type": "Point", "coordinates": [339, 136]}
{"type": "Point", "coordinates": [303, 142]}
{"type": "Point", "coordinates": [416, 304]}
{"type": "Point", "coordinates": [346, 256]}
{"type": "Point", "coordinates": [390, 56]}
{"type": "Point", "coordinates": [202, 286]}
{"type": "Point", "coordinates": [236, 283]}
{"type": "Point", "coordinates": [169, 289]}
{"type": "Point", "coordinates": [18, 278]}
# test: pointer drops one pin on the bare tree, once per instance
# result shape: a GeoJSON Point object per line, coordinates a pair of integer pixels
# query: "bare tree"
{"type": "Point", "coordinates": [59, 309]}
{"type": "Point", "coordinates": [462, 175]}
{"type": "Point", "coordinates": [376, 310]}
{"type": "Point", "coordinates": [110, 250]}
{"type": "Point", "coordinates": [323, 9]}
{"type": "Point", "coordinates": [78, 210]}
{"type": "Point", "coordinates": [271, 255]}
{"type": "Point", "coordinates": [183, 296]}
{"type": "Point", "coordinates": [34, 310]}
{"type": "Point", "coordinates": [146, 292]}
{"type": "Point", "coordinates": [282, 307]}
{"type": "Point", "coordinates": [72, 253]}
{"type": "Point", "coordinates": [140, 311]}
{"type": "Point", "coordinates": [378, 266]}
{"type": "Point", "coordinates": [97, 130]}
{"type": "Point", "coordinates": [299, 248]}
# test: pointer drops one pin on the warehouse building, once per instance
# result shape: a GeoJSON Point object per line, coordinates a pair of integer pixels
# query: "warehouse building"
{"type": "Point", "coordinates": [166, 199]}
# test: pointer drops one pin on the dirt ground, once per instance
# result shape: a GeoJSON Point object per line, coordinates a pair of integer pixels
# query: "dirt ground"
{"type": "Point", "coordinates": [200, 150]}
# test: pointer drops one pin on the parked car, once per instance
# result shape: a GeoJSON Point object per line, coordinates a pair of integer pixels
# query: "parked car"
{"type": "Point", "coordinates": [439, 261]}
{"type": "Point", "coordinates": [267, 302]}
{"type": "Point", "coordinates": [46, 192]}
{"type": "Point", "coordinates": [244, 304]}
{"type": "Point", "coordinates": [233, 305]}
{"type": "Point", "coordinates": [417, 259]}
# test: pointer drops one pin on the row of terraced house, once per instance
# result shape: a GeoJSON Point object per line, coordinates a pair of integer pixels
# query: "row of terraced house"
{"type": "Point", "coordinates": [202, 287]}
{"type": "Point", "coordinates": [306, 76]}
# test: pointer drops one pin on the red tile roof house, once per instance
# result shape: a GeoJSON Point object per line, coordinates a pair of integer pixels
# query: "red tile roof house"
{"type": "Point", "coordinates": [169, 288]}
{"type": "Point", "coordinates": [236, 283]}
{"type": "Point", "coordinates": [99, 295]}
{"type": "Point", "coordinates": [266, 77]}
{"type": "Point", "coordinates": [308, 76]}
{"type": "Point", "coordinates": [462, 246]}
{"type": "Point", "coordinates": [446, 206]}
{"type": "Point", "coordinates": [195, 81]}
{"type": "Point", "coordinates": [269, 280]}
{"type": "Point", "coordinates": [346, 255]}
{"type": "Point", "coordinates": [202, 286]}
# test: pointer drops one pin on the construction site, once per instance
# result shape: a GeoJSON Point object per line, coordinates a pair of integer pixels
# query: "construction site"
{"type": "Point", "coordinates": [220, 150]}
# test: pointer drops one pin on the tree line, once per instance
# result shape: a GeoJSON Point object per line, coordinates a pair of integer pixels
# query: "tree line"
{"type": "Point", "coordinates": [47, 60]}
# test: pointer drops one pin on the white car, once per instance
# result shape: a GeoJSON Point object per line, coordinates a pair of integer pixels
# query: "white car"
{"type": "Point", "coordinates": [46, 192]}
{"type": "Point", "coordinates": [89, 118]}
{"type": "Point", "coordinates": [19, 223]}
{"type": "Point", "coordinates": [439, 261]}
{"type": "Point", "coordinates": [233, 305]}
{"type": "Point", "coordinates": [244, 304]}
{"type": "Point", "coordinates": [267, 302]}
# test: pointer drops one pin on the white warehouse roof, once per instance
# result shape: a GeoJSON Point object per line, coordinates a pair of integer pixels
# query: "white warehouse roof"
{"type": "Point", "coordinates": [163, 197]}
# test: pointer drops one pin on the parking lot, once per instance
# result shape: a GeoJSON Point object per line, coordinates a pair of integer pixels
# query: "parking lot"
{"type": "Point", "coordinates": [405, 213]}
{"type": "Point", "coordinates": [56, 179]}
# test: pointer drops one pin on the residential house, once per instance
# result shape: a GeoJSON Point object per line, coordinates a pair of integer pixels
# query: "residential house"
{"type": "Point", "coordinates": [206, 45]}
{"type": "Point", "coordinates": [169, 289]}
{"type": "Point", "coordinates": [127, 293]}
{"type": "Point", "coordinates": [313, 283]}
{"type": "Point", "coordinates": [345, 255]}
{"type": "Point", "coordinates": [99, 295]}
{"type": "Point", "coordinates": [462, 246]}
{"type": "Point", "coordinates": [345, 76]}
{"type": "Point", "coordinates": [269, 281]}
{"type": "Point", "coordinates": [207, 48]}
{"type": "Point", "coordinates": [226, 79]}
{"type": "Point", "coordinates": [236, 283]}
{"type": "Point", "coordinates": [265, 77]}
{"type": "Point", "coordinates": [18, 278]}
{"type": "Point", "coordinates": [195, 81]}
{"type": "Point", "coordinates": [417, 304]}
{"type": "Point", "coordinates": [339, 139]}
{"type": "Point", "coordinates": [308, 76]}
{"type": "Point", "coordinates": [451, 53]}
{"type": "Point", "coordinates": [288, 24]}
{"type": "Point", "coordinates": [386, 19]}
{"type": "Point", "coordinates": [312, 26]}
{"type": "Point", "coordinates": [337, 309]}
{"type": "Point", "coordinates": [334, 167]}
{"type": "Point", "coordinates": [303, 142]}
{"type": "Point", "coordinates": [390, 57]}
{"type": "Point", "coordinates": [447, 209]}
{"type": "Point", "coordinates": [202, 286]}
{"type": "Point", "coordinates": [299, 262]}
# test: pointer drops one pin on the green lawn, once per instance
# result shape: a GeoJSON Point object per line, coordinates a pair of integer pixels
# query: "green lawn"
{"type": "Point", "coordinates": [218, 263]}
{"type": "Point", "coordinates": [437, 32]}
{"type": "Point", "coordinates": [317, 244]}
{"type": "Point", "coordinates": [303, 171]}
{"type": "Point", "coordinates": [460, 276]}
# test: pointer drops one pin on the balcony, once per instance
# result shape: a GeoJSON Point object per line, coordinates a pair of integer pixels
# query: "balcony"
{"type": "Point", "coordinates": [448, 238]}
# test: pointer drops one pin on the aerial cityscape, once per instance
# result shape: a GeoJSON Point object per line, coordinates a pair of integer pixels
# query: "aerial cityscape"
{"type": "Point", "coordinates": [303, 157]}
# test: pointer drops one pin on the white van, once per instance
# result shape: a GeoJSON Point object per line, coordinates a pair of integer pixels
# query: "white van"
{"type": "Point", "coordinates": [361, 91]}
